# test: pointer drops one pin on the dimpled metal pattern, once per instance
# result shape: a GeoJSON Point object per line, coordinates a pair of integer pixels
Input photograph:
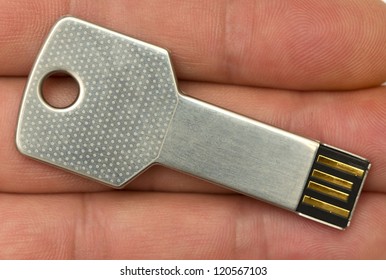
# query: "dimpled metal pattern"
{"type": "Point", "coordinates": [127, 99]}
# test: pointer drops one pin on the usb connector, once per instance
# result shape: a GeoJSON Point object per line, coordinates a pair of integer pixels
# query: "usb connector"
{"type": "Point", "coordinates": [333, 187]}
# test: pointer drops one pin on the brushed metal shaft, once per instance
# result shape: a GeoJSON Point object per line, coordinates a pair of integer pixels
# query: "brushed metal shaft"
{"type": "Point", "coordinates": [237, 152]}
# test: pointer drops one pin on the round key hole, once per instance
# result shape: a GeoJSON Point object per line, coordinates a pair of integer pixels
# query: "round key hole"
{"type": "Point", "coordinates": [60, 90]}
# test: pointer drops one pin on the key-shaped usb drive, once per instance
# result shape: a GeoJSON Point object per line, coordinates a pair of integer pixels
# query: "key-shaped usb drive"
{"type": "Point", "coordinates": [129, 115]}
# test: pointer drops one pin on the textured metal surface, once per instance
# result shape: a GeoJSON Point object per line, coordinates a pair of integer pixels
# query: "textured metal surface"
{"type": "Point", "coordinates": [242, 154]}
{"type": "Point", "coordinates": [127, 98]}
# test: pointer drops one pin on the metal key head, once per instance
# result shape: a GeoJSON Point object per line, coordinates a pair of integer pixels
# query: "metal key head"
{"type": "Point", "coordinates": [126, 101]}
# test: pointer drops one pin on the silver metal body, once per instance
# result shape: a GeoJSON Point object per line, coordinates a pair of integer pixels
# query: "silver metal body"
{"type": "Point", "coordinates": [129, 115]}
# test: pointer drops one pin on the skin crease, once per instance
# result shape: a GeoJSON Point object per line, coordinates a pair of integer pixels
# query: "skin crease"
{"type": "Point", "coordinates": [310, 67]}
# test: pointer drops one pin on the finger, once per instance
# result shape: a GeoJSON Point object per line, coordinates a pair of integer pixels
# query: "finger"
{"type": "Point", "coordinates": [351, 120]}
{"type": "Point", "coordinates": [288, 44]}
{"type": "Point", "coordinates": [178, 226]}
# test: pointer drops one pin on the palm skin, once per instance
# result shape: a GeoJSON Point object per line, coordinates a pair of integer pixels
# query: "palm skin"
{"type": "Point", "coordinates": [307, 66]}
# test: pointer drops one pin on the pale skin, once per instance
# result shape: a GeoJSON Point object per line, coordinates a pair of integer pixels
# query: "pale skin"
{"type": "Point", "coordinates": [308, 66]}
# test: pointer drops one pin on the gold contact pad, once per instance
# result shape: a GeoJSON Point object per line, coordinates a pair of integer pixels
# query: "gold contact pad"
{"type": "Point", "coordinates": [332, 179]}
{"type": "Point", "coordinates": [340, 166]}
{"type": "Point", "coordinates": [328, 191]}
{"type": "Point", "coordinates": [326, 206]}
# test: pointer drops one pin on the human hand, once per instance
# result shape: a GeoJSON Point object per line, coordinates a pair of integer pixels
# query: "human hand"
{"type": "Point", "coordinates": [310, 67]}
